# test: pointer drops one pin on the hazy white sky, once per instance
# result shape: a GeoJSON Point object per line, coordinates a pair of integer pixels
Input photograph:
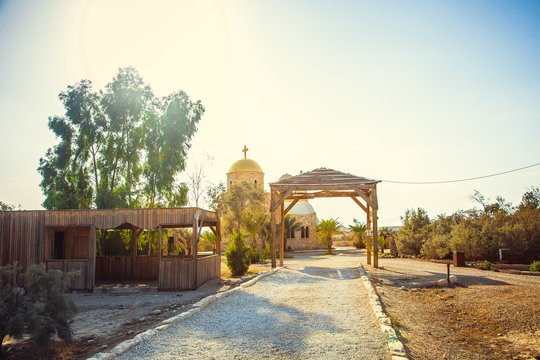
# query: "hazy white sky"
{"type": "Point", "coordinates": [394, 90]}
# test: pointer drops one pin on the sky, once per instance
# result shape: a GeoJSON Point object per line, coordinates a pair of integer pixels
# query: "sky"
{"type": "Point", "coordinates": [390, 90]}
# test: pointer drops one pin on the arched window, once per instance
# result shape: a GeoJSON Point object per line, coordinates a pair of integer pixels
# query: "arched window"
{"type": "Point", "coordinates": [292, 234]}
{"type": "Point", "coordinates": [302, 233]}
{"type": "Point", "coordinates": [230, 182]}
{"type": "Point", "coordinates": [307, 232]}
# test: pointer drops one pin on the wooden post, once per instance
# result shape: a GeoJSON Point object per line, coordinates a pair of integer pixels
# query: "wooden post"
{"type": "Point", "coordinates": [159, 242]}
{"type": "Point", "coordinates": [92, 267]}
{"type": "Point", "coordinates": [368, 239]}
{"type": "Point", "coordinates": [133, 252]}
{"type": "Point", "coordinates": [375, 233]}
{"type": "Point", "coordinates": [218, 243]}
{"type": "Point", "coordinates": [193, 282]}
{"type": "Point", "coordinates": [282, 235]}
{"type": "Point", "coordinates": [272, 229]}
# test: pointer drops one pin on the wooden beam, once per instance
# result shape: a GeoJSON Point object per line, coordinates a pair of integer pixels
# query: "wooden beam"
{"type": "Point", "coordinates": [367, 199]}
{"type": "Point", "coordinates": [359, 203]}
{"type": "Point", "coordinates": [290, 206]}
{"type": "Point", "coordinates": [343, 186]}
{"type": "Point", "coordinates": [272, 229]}
{"type": "Point", "coordinates": [282, 236]}
{"type": "Point", "coordinates": [133, 251]}
{"type": "Point", "coordinates": [92, 257]}
{"type": "Point", "coordinates": [159, 242]}
{"type": "Point", "coordinates": [281, 199]}
{"type": "Point", "coordinates": [218, 240]}
{"type": "Point", "coordinates": [375, 233]}
{"type": "Point", "coordinates": [194, 256]}
{"type": "Point", "coordinates": [368, 227]}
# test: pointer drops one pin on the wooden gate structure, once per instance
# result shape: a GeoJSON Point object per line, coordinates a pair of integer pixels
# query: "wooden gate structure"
{"type": "Point", "coordinates": [66, 240]}
{"type": "Point", "coordinates": [323, 183]}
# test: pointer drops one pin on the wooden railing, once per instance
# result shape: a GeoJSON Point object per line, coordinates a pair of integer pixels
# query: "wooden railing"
{"type": "Point", "coordinates": [121, 268]}
{"type": "Point", "coordinates": [208, 268]}
{"type": "Point", "coordinates": [81, 279]}
{"type": "Point", "coordinates": [177, 273]}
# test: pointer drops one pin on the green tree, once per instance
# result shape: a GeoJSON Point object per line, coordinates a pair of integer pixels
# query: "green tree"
{"type": "Point", "coordinates": [241, 198]}
{"type": "Point", "coordinates": [214, 196]}
{"type": "Point", "coordinates": [238, 255]}
{"type": "Point", "coordinates": [414, 232]}
{"type": "Point", "coordinates": [326, 230]}
{"type": "Point", "coordinates": [118, 148]}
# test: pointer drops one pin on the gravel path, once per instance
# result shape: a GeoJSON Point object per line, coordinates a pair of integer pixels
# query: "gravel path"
{"type": "Point", "coordinates": [316, 308]}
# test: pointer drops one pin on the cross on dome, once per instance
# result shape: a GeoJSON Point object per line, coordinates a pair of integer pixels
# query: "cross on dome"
{"type": "Point", "coordinates": [245, 151]}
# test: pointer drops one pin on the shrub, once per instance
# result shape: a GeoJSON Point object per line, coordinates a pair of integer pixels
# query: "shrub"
{"type": "Point", "coordinates": [437, 247]}
{"type": "Point", "coordinates": [488, 265]}
{"type": "Point", "coordinates": [238, 255]}
{"type": "Point", "coordinates": [535, 266]}
{"type": "Point", "coordinates": [41, 308]}
{"type": "Point", "coordinates": [359, 243]}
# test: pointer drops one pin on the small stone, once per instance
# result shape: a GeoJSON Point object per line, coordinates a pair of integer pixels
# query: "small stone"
{"type": "Point", "coordinates": [130, 332]}
{"type": "Point", "coordinates": [104, 347]}
{"type": "Point", "coordinates": [90, 341]}
{"type": "Point", "coordinates": [178, 294]}
{"type": "Point", "coordinates": [142, 319]}
{"type": "Point", "coordinates": [402, 288]}
{"type": "Point", "coordinates": [156, 312]}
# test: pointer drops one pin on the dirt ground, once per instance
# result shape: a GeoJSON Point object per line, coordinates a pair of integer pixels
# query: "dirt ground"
{"type": "Point", "coordinates": [117, 312]}
{"type": "Point", "coordinates": [487, 315]}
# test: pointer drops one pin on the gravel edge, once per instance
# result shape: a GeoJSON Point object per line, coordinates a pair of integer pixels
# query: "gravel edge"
{"type": "Point", "coordinates": [165, 324]}
{"type": "Point", "coordinates": [393, 342]}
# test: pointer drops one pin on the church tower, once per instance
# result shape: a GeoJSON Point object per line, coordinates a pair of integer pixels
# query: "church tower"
{"type": "Point", "coordinates": [247, 170]}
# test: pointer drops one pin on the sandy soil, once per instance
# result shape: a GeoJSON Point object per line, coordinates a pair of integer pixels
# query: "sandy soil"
{"type": "Point", "coordinates": [487, 315]}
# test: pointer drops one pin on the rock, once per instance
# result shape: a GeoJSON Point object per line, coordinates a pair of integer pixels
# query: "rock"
{"type": "Point", "coordinates": [142, 319]}
{"type": "Point", "coordinates": [442, 283]}
{"type": "Point", "coordinates": [156, 312]}
{"type": "Point", "coordinates": [103, 347]}
{"type": "Point", "coordinates": [403, 288]}
{"type": "Point", "coordinates": [90, 341]}
{"type": "Point", "coordinates": [453, 279]}
{"type": "Point", "coordinates": [130, 332]}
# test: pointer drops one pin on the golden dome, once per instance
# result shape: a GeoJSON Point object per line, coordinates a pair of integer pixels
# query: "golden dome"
{"type": "Point", "coordinates": [243, 165]}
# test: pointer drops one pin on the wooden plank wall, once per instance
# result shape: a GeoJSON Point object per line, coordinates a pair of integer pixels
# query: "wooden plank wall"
{"type": "Point", "coordinates": [22, 237]}
{"type": "Point", "coordinates": [79, 281]}
{"type": "Point", "coordinates": [175, 273]}
{"type": "Point", "coordinates": [120, 268]}
{"type": "Point", "coordinates": [208, 268]}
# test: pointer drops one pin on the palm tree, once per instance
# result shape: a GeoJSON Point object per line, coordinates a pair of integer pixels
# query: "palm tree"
{"type": "Point", "coordinates": [208, 238]}
{"type": "Point", "coordinates": [359, 232]}
{"type": "Point", "coordinates": [290, 227]}
{"type": "Point", "coordinates": [327, 229]}
{"type": "Point", "coordinates": [253, 225]}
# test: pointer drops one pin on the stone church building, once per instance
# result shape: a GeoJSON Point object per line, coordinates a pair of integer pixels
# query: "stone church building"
{"type": "Point", "coordinates": [304, 237]}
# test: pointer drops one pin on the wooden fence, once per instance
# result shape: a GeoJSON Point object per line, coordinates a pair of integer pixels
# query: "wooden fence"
{"type": "Point", "coordinates": [178, 273]}
{"type": "Point", "coordinates": [81, 279]}
{"type": "Point", "coordinates": [121, 268]}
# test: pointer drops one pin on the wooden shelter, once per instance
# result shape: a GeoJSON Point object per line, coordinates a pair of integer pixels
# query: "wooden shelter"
{"type": "Point", "coordinates": [323, 183]}
{"type": "Point", "coordinates": [66, 240]}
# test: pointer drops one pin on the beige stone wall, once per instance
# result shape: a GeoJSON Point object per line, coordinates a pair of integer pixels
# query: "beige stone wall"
{"type": "Point", "coordinates": [249, 176]}
{"type": "Point", "coordinates": [297, 243]}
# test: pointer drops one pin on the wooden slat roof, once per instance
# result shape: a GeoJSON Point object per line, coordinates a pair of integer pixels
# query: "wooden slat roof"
{"type": "Point", "coordinates": [119, 218]}
{"type": "Point", "coordinates": [322, 178]}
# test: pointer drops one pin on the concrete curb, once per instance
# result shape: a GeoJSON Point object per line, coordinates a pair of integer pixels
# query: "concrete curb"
{"type": "Point", "coordinates": [197, 307]}
{"type": "Point", "coordinates": [395, 346]}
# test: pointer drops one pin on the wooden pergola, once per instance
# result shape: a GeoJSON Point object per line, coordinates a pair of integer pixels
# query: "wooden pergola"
{"type": "Point", "coordinates": [323, 183]}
